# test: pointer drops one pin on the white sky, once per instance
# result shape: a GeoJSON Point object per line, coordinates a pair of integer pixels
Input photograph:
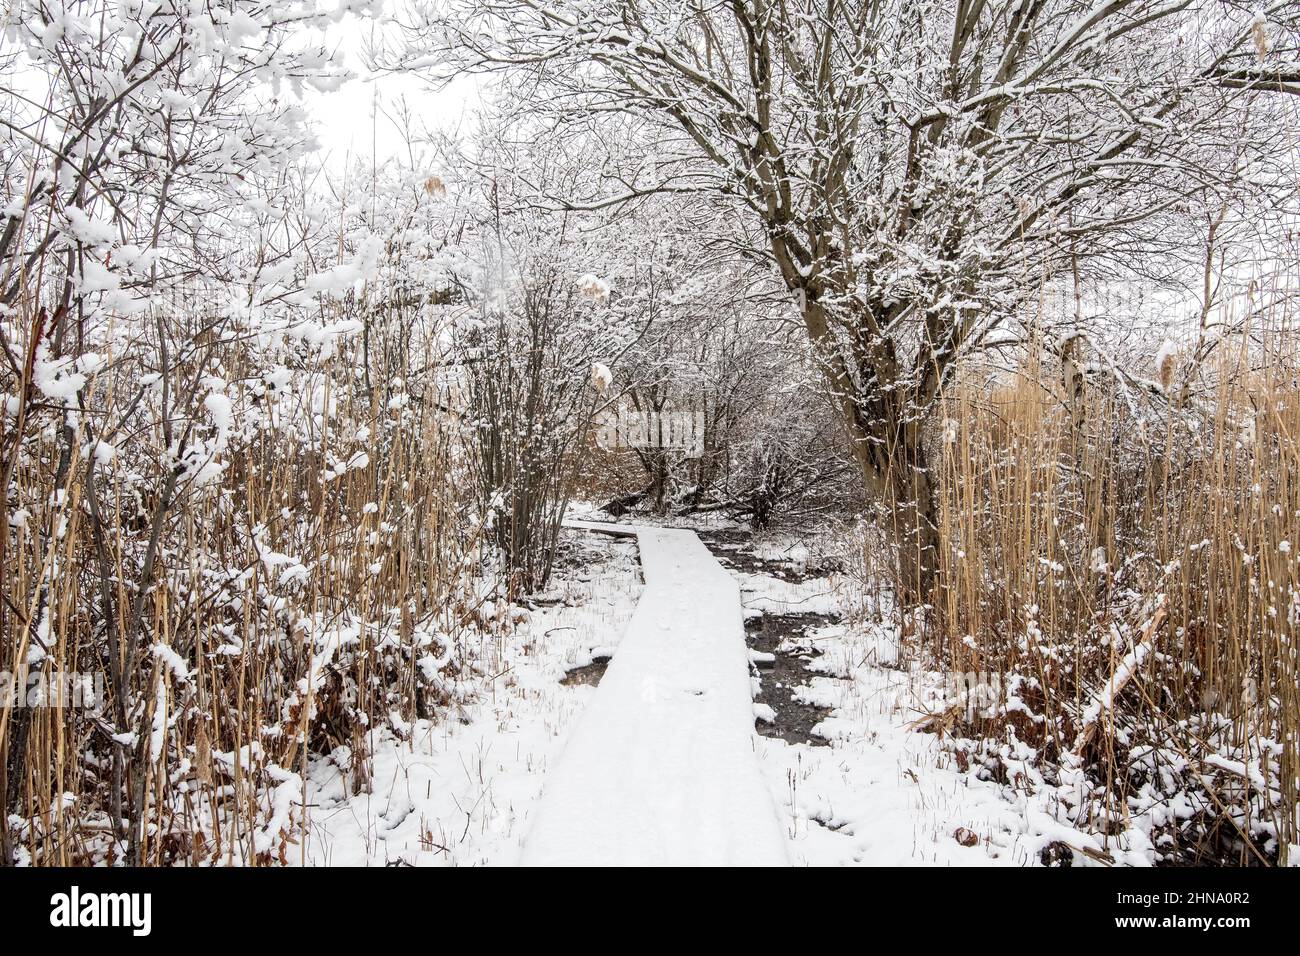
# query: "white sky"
{"type": "Point", "coordinates": [348, 124]}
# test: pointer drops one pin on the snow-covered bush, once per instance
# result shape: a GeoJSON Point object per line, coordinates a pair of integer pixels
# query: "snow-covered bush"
{"type": "Point", "coordinates": [231, 487]}
{"type": "Point", "coordinates": [524, 356]}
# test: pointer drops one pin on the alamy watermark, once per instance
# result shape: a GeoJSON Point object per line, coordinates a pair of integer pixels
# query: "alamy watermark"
{"type": "Point", "coordinates": [60, 689]}
{"type": "Point", "coordinates": [85, 908]}
{"type": "Point", "coordinates": [667, 429]}
{"type": "Point", "coordinates": [977, 693]}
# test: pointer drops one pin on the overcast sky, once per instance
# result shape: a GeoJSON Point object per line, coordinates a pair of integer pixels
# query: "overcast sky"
{"type": "Point", "coordinates": [346, 120]}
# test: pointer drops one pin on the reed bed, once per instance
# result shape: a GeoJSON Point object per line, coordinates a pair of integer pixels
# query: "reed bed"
{"type": "Point", "coordinates": [1121, 590]}
{"type": "Point", "coordinates": [269, 571]}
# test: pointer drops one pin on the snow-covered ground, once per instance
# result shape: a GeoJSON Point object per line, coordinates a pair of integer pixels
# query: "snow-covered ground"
{"type": "Point", "coordinates": [882, 793]}
{"type": "Point", "coordinates": [879, 794]}
{"type": "Point", "coordinates": [660, 764]}
{"type": "Point", "coordinates": [460, 791]}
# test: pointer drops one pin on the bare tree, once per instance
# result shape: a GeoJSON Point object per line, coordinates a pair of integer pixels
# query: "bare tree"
{"type": "Point", "coordinates": [532, 321]}
{"type": "Point", "coordinates": [912, 167]}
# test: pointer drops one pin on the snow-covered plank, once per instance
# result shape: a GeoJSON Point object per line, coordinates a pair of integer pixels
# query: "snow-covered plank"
{"type": "Point", "coordinates": [661, 769]}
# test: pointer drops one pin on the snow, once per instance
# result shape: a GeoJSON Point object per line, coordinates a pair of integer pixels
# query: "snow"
{"type": "Point", "coordinates": [96, 277]}
{"type": "Point", "coordinates": [461, 790]}
{"type": "Point", "coordinates": [1104, 700]}
{"type": "Point", "coordinates": [174, 662]}
{"type": "Point", "coordinates": [881, 794]}
{"type": "Point", "coordinates": [55, 376]}
{"type": "Point", "coordinates": [103, 452]}
{"type": "Point", "coordinates": [660, 763]}
{"type": "Point", "coordinates": [88, 229]}
{"type": "Point", "coordinates": [220, 408]}
{"type": "Point", "coordinates": [661, 769]}
{"type": "Point", "coordinates": [343, 277]}
{"type": "Point", "coordinates": [762, 594]}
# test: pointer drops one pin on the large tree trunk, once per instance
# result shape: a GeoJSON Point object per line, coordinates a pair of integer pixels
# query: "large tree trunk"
{"type": "Point", "coordinates": [883, 408]}
{"type": "Point", "coordinates": [886, 429]}
{"type": "Point", "coordinates": [655, 462]}
{"type": "Point", "coordinates": [895, 470]}
{"type": "Point", "coordinates": [913, 512]}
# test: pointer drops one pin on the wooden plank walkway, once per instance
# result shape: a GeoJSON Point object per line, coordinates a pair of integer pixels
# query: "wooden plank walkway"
{"type": "Point", "coordinates": [660, 769]}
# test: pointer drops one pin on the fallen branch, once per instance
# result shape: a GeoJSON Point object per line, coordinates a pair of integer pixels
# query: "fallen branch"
{"type": "Point", "coordinates": [1103, 701]}
{"type": "Point", "coordinates": [937, 722]}
{"type": "Point", "coordinates": [601, 527]}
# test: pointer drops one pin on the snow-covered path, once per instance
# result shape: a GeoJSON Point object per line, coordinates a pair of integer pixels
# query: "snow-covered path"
{"type": "Point", "coordinates": [661, 768]}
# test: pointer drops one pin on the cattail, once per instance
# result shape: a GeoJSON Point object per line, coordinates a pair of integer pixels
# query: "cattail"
{"type": "Point", "coordinates": [593, 288]}
{"type": "Point", "coordinates": [1259, 32]}
{"type": "Point", "coordinates": [1073, 380]}
{"type": "Point", "coordinates": [203, 754]}
{"type": "Point", "coordinates": [1165, 365]}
